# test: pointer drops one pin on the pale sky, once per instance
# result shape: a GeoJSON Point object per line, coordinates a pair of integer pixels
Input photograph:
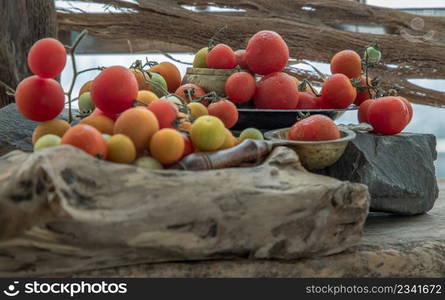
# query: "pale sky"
{"type": "Point", "coordinates": [408, 3]}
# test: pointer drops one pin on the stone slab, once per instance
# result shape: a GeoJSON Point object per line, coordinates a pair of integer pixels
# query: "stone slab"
{"type": "Point", "coordinates": [16, 131]}
{"type": "Point", "coordinates": [398, 170]}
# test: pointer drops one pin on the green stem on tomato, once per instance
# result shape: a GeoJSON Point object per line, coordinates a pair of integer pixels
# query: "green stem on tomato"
{"type": "Point", "coordinates": [212, 39]}
{"type": "Point", "coordinates": [174, 59]}
{"type": "Point", "coordinates": [91, 69]}
{"type": "Point", "coordinates": [307, 83]}
{"type": "Point", "coordinates": [367, 76]}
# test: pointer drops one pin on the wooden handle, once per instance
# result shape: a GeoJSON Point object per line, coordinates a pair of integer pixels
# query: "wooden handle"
{"type": "Point", "coordinates": [248, 150]}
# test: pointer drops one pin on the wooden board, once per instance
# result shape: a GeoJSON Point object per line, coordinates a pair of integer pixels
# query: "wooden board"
{"type": "Point", "coordinates": [62, 210]}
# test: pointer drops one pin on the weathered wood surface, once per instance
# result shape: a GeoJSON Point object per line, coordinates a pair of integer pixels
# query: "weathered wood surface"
{"type": "Point", "coordinates": [64, 211]}
{"type": "Point", "coordinates": [392, 246]}
{"type": "Point", "coordinates": [312, 29]}
{"type": "Point", "coordinates": [22, 22]}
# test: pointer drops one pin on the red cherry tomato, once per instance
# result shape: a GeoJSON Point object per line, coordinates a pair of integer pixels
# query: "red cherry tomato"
{"type": "Point", "coordinates": [276, 91]}
{"type": "Point", "coordinates": [226, 111]}
{"type": "Point", "coordinates": [347, 62]}
{"type": "Point", "coordinates": [308, 101]}
{"type": "Point", "coordinates": [320, 103]}
{"type": "Point", "coordinates": [241, 59]}
{"type": "Point", "coordinates": [314, 128]}
{"type": "Point", "coordinates": [47, 58]}
{"type": "Point", "coordinates": [98, 112]}
{"type": "Point", "coordinates": [221, 57]}
{"type": "Point", "coordinates": [266, 52]}
{"type": "Point", "coordinates": [388, 115]}
{"type": "Point", "coordinates": [338, 92]}
{"type": "Point", "coordinates": [114, 89]}
{"type": "Point", "coordinates": [409, 106]}
{"type": "Point", "coordinates": [240, 87]}
{"type": "Point", "coordinates": [165, 111]}
{"type": "Point", "coordinates": [363, 111]}
{"type": "Point", "coordinates": [364, 95]}
{"type": "Point", "coordinates": [189, 148]}
{"type": "Point", "coordinates": [87, 138]}
{"type": "Point", "coordinates": [39, 99]}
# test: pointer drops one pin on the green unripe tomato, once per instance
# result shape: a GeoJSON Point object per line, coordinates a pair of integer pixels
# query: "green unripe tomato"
{"type": "Point", "coordinates": [174, 99]}
{"type": "Point", "coordinates": [373, 55]}
{"type": "Point", "coordinates": [148, 163]}
{"type": "Point", "coordinates": [48, 140]}
{"type": "Point", "coordinates": [106, 136]}
{"type": "Point", "coordinates": [158, 84]}
{"type": "Point", "coordinates": [251, 133]}
{"type": "Point", "coordinates": [86, 104]}
{"type": "Point", "coordinates": [200, 58]}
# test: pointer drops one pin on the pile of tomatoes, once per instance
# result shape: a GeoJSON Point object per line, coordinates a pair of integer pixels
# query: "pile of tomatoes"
{"type": "Point", "coordinates": [265, 57]}
{"type": "Point", "coordinates": [143, 115]}
{"type": "Point", "coordinates": [267, 54]}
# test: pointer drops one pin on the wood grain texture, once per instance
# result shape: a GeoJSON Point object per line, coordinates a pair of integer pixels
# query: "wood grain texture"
{"type": "Point", "coordinates": [62, 211]}
{"type": "Point", "coordinates": [22, 22]}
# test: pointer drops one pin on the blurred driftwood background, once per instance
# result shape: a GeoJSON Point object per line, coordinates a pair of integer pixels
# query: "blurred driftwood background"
{"type": "Point", "coordinates": [314, 30]}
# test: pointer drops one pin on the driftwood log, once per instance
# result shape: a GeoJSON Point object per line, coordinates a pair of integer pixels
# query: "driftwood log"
{"type": "Point", "coordinates": [64, 211]}
{"type": "Point", "coordinates": [22, 22]}
{"type": "Point", "coordinates": [314, 30]}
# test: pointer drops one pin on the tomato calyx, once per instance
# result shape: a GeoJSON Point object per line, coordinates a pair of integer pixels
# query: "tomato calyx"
{"type": "Point", "coordinates": [211, 97]}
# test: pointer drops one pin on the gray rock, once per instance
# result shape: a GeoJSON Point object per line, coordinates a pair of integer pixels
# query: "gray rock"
{"type": "Point", "coordinates": [16, 131]}
{"type": "Point", "coordinates": [398, 170]}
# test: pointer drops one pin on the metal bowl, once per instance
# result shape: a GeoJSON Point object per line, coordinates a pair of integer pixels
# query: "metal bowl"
{"type": "Point", "coordinates": [318, 154]}
{"type": "Point", "coordinates": [268, 119]}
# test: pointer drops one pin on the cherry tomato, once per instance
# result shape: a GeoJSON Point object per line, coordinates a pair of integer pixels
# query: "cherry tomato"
{"type": "Point", "coordinates": [241, 59]}
{"type": "Point", "coordinates": [47, 58]}
{"type": "Point", "coordinates": [114, 89]}
{"type": "Point", "coordinates": [98, 112]}
{"type": "Point", "coordinates": [266, 52]}
{"type": "Point", "coordinates": [240, 87]}
{"type": "Point", "coordinates": [39, 99]}
{"type": "Point", "coordinates": [338, 92]}
{"type": "Point", "coordinates": [165, 111]}
{"type": "Point", "coordinates": [221, 57]}
{"type": "Point", "coordinates": [189, 148]}
{"type": "Point", "coordinates": [190, 91]}
{"type": "Point", "coordinates": [200, 58]}
{"type": "Point", "coordinates": [388, 115]}
{"type": "Point", "coordinates": [347, 62]}
{"type": "Point", "coordinates": [363, 111]}
{"type": "Point", "coordinates": [409, 106]}
{"type": "Point", "coordinates": [87, 138]}
{"type": "Point", "coordinates": [314, 128]}
{"type": "Point", "coordinates": [307, 100]}
{"type": "Point", "coordinates": [276, 91]}
{"type": "Point", "coordinates": [364, 95]}
{"type": "Point", "coordinates": [373, 55]}
{"type": "Point", "coordinates": [224, 110]}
